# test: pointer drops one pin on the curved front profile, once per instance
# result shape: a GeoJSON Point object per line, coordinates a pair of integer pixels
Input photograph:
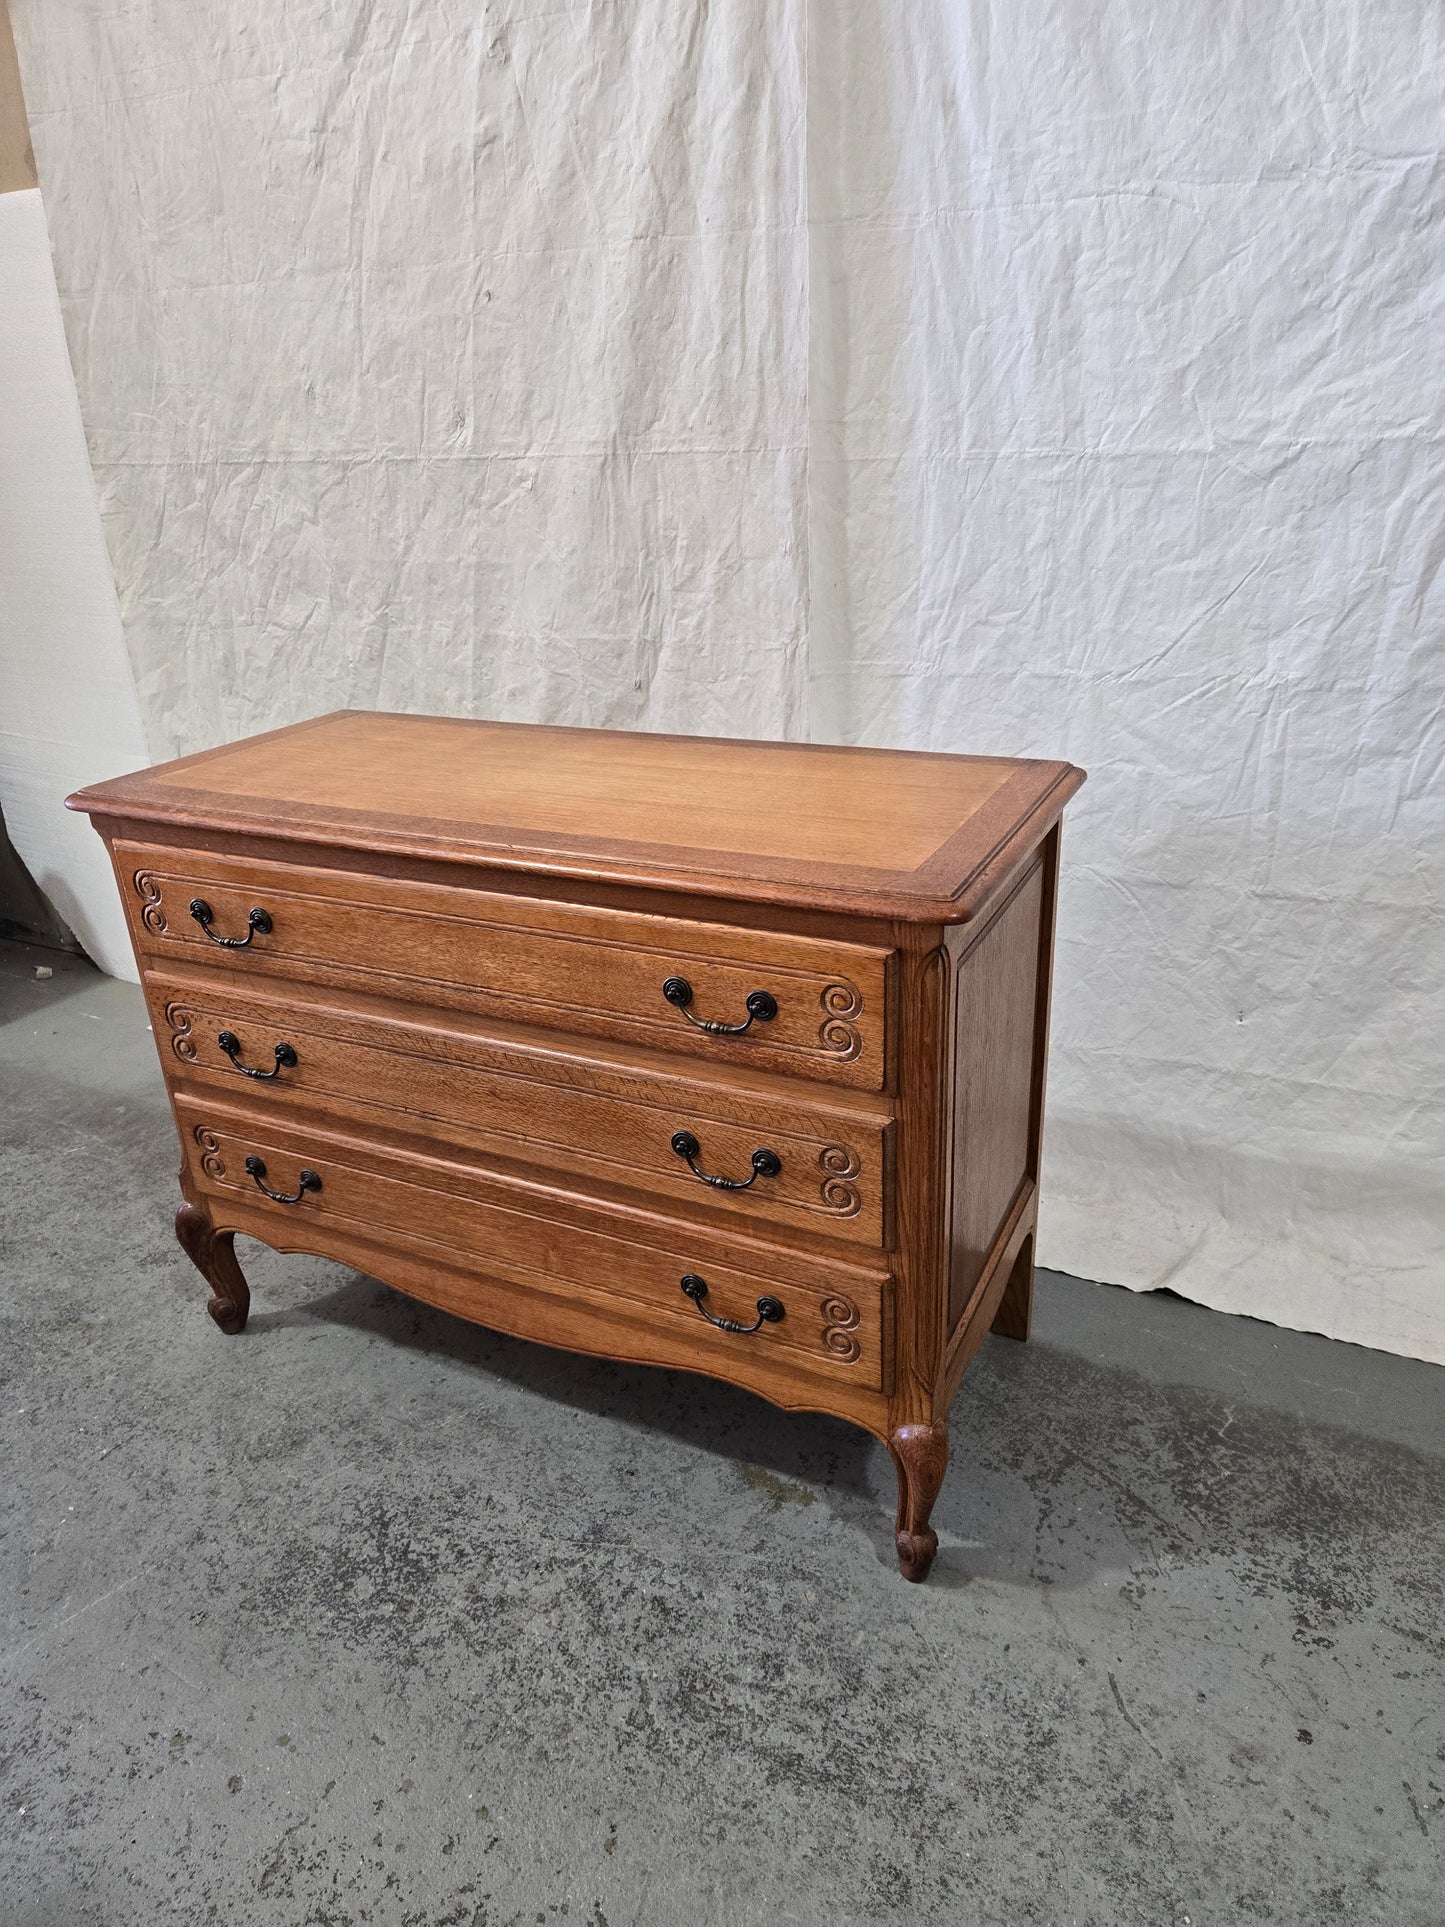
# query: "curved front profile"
{"type": "Point", "coordinates": [825, 1320]}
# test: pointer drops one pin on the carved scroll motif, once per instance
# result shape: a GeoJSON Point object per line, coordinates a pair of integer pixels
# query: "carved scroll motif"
{"type": "Point", "coordinates": [153, 916]}
{"type": "Point", "coordinates": [840, 1324]}
{"type": "Point", "coordinates": [212, 1163]}
{"type": "Point", "coordinates": [839, 1164]}
{"type": "Point", "coordinates": [841, 1000]}
{"type": "Point", "coordinates": [182, 1042]}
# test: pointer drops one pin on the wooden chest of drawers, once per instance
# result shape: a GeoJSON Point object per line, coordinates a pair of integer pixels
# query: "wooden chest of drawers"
{"type": "Point", "coordinates": [725, 1056]}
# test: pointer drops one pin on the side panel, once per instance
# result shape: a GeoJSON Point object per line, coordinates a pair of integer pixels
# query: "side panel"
{"type": "Point", "coordinates": [1001, 1004]}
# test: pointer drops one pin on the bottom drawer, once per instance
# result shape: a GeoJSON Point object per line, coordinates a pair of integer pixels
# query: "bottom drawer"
{"type": "Point", "coordinates": [818, 1318]}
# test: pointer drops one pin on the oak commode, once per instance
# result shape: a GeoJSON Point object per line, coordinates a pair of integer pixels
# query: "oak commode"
{"type": "Point", "coordinates": [725, 1056]}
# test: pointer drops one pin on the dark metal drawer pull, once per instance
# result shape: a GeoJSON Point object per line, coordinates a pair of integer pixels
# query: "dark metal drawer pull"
{"type": "Point", "coordinates": [762, 1007]}
{"type": "Point", "coordinates": [769, 1309]}
{"type": "Point", "coordinates": [230, 1043]}
{"type": "Point", "coordinates": [307, 1180]}
{"type": "Point", "coordinates": [766, 1164]}
{"type": "Point", "coordinates": [258, 924]}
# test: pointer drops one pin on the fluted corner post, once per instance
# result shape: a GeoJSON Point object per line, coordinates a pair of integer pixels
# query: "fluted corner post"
{"type": "Point", "coordinates": [918, 1430]}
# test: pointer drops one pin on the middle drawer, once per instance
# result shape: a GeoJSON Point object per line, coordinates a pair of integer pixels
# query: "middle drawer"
{"type": "Point", "coordinates": [732, 1147]}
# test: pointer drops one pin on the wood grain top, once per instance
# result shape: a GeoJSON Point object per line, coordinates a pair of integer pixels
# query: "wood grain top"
{"type": "Point", "coordinates": [878, 832]}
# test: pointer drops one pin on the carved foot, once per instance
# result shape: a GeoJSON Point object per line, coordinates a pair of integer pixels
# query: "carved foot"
{"type": "Point", "coordinates": [213, 1254]}
{"type": "Point", "coordinates": [920, 1453]}
{"type": "Point", "coordinates": [1015, 1308]}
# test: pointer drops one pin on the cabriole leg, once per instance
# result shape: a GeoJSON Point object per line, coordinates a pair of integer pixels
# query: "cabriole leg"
{"type": "Point", "coordinates": [213, 1254]}
{"type": "Point", "coordinates": [920, 1452]}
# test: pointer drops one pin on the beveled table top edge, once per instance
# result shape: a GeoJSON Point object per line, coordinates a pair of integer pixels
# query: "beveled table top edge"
{"type": "Point", "coordinates": [949, 886]}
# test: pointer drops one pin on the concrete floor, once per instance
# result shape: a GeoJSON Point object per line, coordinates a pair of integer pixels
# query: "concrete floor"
{"type": "Point", "coordinates": [373, 1616]}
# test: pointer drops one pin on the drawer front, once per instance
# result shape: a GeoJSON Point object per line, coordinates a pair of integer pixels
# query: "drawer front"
{"type": "Point", "coordinates": [794, 1162]}
{"type": "Point", "coordinates": [826, 1320]}
{"type": "Point", "coordinates": [818, 1008]}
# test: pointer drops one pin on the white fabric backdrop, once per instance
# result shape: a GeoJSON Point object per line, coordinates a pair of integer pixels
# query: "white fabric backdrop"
{"type": "Point", "coordinates": [68, 710]}
{"type": "Point", "coordinates": [1127, 445]}
{"type": "Point", "coordinates": [439, 357]}
{"type": "Point", "coordinates": [1062, 379]}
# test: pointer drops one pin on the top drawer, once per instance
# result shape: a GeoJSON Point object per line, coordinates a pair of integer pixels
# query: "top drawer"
{"type": "Point", "coordinates": [821, 1013]}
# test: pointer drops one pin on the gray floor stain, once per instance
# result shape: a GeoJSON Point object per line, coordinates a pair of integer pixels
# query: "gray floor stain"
{"type": "Point", "coordinates": [369, 1616]}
